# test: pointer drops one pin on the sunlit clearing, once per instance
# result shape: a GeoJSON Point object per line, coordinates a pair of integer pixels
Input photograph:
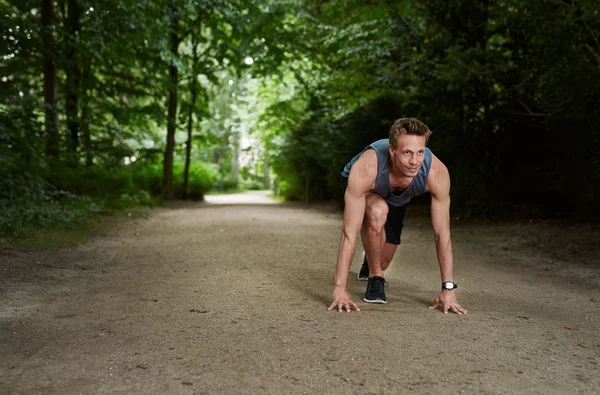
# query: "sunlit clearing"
{"type": "Point", "coordinates": [230, 82]}
{"type": "Point", "coordinates": [248, 60]}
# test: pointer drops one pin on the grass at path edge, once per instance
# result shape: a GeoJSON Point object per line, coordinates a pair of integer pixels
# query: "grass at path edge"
{"type": "Point", "coordinates": [71, 235]}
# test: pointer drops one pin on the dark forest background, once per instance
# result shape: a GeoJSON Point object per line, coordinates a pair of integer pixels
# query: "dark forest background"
{"type": "Point", "coordinates": [111, 104]}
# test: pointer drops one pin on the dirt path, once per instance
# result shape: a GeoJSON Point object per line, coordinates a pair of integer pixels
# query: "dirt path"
{"type": "Point", "coordinates": [228, 299]}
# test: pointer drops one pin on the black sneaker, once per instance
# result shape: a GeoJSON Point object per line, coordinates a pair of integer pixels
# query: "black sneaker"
{"type": "Point", "coordinates": [363, 274]}
{"type": "Point", "coordinates": [376, 290]}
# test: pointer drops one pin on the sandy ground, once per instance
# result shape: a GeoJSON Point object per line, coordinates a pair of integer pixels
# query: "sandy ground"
{"type": "Point", "coordinates": [227, 297]}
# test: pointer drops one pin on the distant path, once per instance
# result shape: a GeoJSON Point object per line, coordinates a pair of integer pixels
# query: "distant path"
{"type": "Point", "coordinates": [216, 298]}
{"type": "Point", "coordinates": [252, 197]}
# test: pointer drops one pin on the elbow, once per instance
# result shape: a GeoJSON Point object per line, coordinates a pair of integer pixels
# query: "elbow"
{"type": "Point", "coordinates": [441, 238]}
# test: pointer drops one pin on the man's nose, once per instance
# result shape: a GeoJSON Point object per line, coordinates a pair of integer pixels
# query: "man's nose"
{"type": "Point", "coordinates": [413, 159]}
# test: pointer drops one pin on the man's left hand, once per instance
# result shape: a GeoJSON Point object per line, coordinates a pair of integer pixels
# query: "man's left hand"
{"type": "Point", "coordinates": [448, 301]}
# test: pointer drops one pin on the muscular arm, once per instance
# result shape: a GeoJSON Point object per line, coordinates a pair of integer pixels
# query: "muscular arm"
{"type": "Point", "coordinates": [439, 188]}
{"type": "Point", "coordinates": [360, 182]}
{"type": "Point", "coordinates": [438, 185]}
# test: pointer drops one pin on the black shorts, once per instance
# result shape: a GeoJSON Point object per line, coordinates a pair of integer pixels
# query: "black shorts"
{"type": "Point", "coordinates": [394, 222]}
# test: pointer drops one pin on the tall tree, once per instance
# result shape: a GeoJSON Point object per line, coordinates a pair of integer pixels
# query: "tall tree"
{"type": "Point", "coordinates": [192, 105]}
{"type": "Point", "coordinates": [73, 73]}
{"type": "Point", "coordinates": [175, 38]}
{"type": "Point", "coordinates": [52, 145]}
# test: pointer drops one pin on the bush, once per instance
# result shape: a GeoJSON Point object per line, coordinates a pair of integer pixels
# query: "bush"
{"type": "Point", "coordinates": [201, 177]}
{"type": "Point", "coordinates": [148, 177]}
{"type": "Point", "coordinates": [227, 184]}
{"type": "Point", "coordinates": [17, 217]}
{"type": "Point", "coordinates": [126, 182]}
{"type": "Point", "coordinates": [253, 185]}
{"type": "Point", "coordinates": [290, 190]}
{"type": "Point", "coordinates": [91, 181]}
{"type": "Point", "coordinates": [62, 195]}
{"type": "Point", "coordinates": [128, 200]}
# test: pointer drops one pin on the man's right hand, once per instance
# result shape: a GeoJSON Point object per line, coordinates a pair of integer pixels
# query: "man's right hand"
{"type": "Point", "coordinates": [342, 299]}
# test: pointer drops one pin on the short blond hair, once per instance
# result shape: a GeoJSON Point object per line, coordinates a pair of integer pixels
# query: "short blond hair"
{"type": "Point", "coordinates": [411, 126]}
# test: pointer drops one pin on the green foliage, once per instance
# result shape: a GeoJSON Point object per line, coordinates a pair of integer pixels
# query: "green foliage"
{"type": "Point", "coordinates": [227, 184]}
{"type": "Point", "coordinates": [18, 183]}
{"type": "Point", "coordinates": [92, 181]}
{"type": "Point", "coordinates": [201, 178]}
{"type": "Point", "coordinates": [253, 184]}
{"type": "Point", "coordinates": [19, 217]}
{"type": "Point", "coordinates": [136, 182]}
{"type": "Point", "coordinates": [321, 148]}
{"type": "Point", "coordinates": [292, 190]}
{"type": "Point", "coordinates": [67, 196]}
{"type": "Point", "coordinates": [500, 83]}
{"type": "Point", "coordinates": [147, 177]}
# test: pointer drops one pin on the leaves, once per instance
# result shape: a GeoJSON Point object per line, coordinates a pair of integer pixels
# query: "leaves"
{"type": "Point", "coordinates": [486, 76]}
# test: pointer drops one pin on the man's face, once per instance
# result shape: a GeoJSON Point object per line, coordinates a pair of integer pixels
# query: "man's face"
{"type": "Point", "coordinates": [408, 155]}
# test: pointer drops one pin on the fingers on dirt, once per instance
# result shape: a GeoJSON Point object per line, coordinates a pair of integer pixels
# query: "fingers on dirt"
{"type": "Point", "coordinates": [461, 311]}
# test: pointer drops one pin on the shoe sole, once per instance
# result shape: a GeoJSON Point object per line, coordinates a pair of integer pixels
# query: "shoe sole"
{"type": "Point", "coordinates": [375, 301]}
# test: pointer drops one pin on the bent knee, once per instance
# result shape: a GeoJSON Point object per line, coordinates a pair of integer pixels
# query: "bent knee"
{"type": "Point", "coordinates": [376, 211]}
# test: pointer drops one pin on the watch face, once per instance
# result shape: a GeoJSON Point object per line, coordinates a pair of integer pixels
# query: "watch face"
{"type": "Point", "coordinates": [449, 285]}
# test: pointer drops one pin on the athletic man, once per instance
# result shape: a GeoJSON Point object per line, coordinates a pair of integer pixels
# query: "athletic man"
{"type": "Point", "coordinates": [379, 182]}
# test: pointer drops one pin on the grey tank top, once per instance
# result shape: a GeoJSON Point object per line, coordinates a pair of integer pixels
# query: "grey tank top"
{"type": "Point", "coordinates": [417, 187]}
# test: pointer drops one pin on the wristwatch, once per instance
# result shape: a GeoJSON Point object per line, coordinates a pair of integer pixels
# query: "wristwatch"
{"type": "Point", "coordinates": [449, 285]}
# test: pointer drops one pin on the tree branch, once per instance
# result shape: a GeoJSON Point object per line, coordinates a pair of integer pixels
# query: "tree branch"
{"type": "Point", "coordinates": [524, 105]}
{"type": "Point", "coordinates": [592, 33]}
{"type": "Point", "coordinates": [529, 114]}
{"type": "Point", "coordinates": [562, 3]}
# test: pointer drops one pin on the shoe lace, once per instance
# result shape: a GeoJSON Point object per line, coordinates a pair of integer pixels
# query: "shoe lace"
{"type": "Point", "coordinates": [378, 284]}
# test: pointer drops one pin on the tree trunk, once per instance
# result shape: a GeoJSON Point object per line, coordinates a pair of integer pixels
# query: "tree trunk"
{"type": "Point", "coordinates": [266, 173]}
{"type": "Point", "coordinates": [85, 114]}
{"type": "Point", "coordinates": [306, 189]}
{"type": "Point", "coordinates": [487, 129]}
{"type": "Point", "coordinates": [73, 76]}
{"type": "Point", "coordinates": [52, 146]}
{"type": "Point", "coordinates": [188, 147]}
{"type": "Point", "coordinates": [167, 192]}
{"type": "Point", "coordinates": [235, 161]}
{"type": "Point", "coordinates": [193, 89]}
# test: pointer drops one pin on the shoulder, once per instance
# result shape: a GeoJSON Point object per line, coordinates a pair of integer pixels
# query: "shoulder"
{"type": "Point", "coordinates": [382, 143]}
{"type": "Point", "coordinates": [438, 181]}
{"type": "Point", "coordinates": [364, 172]}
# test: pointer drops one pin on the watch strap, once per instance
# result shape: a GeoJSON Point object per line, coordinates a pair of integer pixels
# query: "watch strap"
{"type": "Point", "coordinates": [454, 285]}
